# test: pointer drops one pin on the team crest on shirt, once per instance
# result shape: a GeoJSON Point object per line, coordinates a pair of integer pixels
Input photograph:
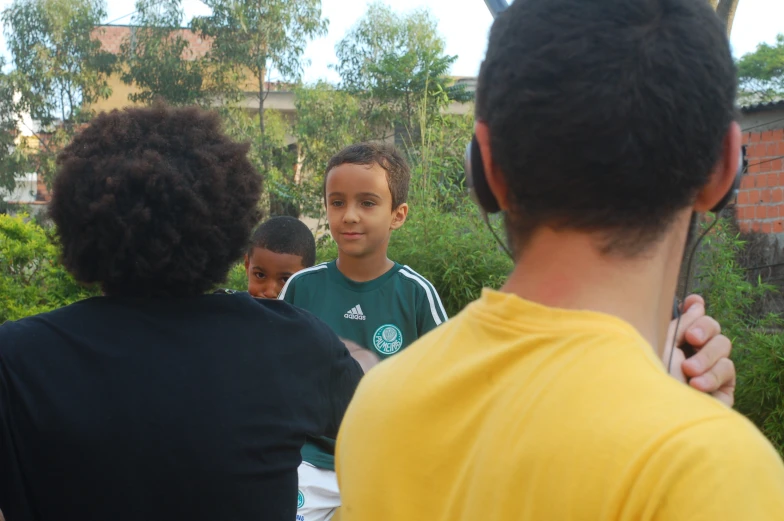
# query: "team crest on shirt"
{"type": "Point", "coordinates": [388, 339]}
{"type": "Point", "coordinates": [300, 499]}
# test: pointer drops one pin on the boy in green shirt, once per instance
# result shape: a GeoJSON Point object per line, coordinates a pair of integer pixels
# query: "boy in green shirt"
{"type": "Point", "coordinates": [279, 248]}
{"type": "Point", "coordinates": [362, 295]}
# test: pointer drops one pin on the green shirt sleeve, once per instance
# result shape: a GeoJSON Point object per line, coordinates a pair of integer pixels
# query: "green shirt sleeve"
{"type": "Point", "coordinates": [430, 310]}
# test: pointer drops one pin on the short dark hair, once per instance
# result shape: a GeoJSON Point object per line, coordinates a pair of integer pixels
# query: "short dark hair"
{"type": "Point", "coordinates": [606, 115]}
{"type": "Point", "coordinates": [287, 235]}
{"type": "Point", "coordinates": [384, 155]}
{"type": "Point", "coordinates": [154, 202]}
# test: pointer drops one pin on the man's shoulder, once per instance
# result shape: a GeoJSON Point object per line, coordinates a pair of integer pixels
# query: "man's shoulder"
{"type": "Point", "coordinates": [26, 327]}
{"type": "Point", "coordinates": [721, 466]}
{"type": "Point", "coordinates": [717, 432]}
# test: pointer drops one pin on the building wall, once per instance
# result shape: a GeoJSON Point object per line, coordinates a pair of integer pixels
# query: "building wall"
{"type": "Point", "coordinates": [760, 205]}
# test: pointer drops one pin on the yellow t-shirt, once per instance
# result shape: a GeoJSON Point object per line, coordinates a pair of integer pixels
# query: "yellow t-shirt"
{"type": "Point", "coordinates": [516, 411]}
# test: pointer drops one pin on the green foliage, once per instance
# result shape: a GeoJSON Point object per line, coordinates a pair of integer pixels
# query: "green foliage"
{"type": "Point", "coordinates": [158, 59]}
{"type": "Point", "coordinates": [270, 154]}
{"type": "Point", "coordinates": [59, 70]}
{"type": "Point", "coordinates": [238, 278]}
{"type": "Point", "coordinates": [758, 341]}
{"type": "Point", "coordinates": [59, 67]}
{"type": "Point", "coordinates": [761, 73]}
{"type": "Point", "coordinates": [31, 278]}
{"type": "Point", "coordinates": [455, 251]}
{"type": "Point", "coordinates": [389, 61]}
{"type": "Point", "coordinates": [250, 38]}
{"type": "Point", "coordinates": [12, 160]}
{"type": "Point", "coordinates": [327, 121]}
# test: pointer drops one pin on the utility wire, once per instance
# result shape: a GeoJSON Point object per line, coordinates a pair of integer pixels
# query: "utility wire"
{"type": "Point", "coordinates": [762, 124]}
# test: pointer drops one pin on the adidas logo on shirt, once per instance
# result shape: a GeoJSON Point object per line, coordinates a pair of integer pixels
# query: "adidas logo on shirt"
{"type": "Point", "coordinates": [355, 313]}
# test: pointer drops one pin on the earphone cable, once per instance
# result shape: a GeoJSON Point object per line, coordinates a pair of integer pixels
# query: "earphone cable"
{"type": "Point", "coordinates": [685, 288]}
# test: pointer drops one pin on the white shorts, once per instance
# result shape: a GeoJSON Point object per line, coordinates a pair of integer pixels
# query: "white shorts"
{"type": "Point", "coordinates": [318, 497]}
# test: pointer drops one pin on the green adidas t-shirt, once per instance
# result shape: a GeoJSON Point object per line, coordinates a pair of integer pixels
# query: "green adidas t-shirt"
{"type": "Point", "coordinates": [384, 315]}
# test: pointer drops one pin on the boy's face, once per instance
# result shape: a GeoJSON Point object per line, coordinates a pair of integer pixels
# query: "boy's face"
{"type": "Point", "coordinates": [359, 209]}
{"type": "Point", "coordinates": [268, 271]}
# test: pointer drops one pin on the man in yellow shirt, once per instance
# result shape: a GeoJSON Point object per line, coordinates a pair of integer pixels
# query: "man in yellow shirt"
{"type": "Point", "coordinates": [602, 127]}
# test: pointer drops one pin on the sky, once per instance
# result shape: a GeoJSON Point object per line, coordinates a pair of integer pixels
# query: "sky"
{"type": "Point", "coordinates": [463, 24]}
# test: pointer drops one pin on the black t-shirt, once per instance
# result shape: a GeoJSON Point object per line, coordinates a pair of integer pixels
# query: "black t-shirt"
{"type": "Point", "coordinates": [118, 409]}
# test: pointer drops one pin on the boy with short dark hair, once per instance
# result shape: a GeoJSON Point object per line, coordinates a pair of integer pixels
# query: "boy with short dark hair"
{"type": "Point", "coordinates": [363, 295]}
{"type": "Point", "coordinates": [279, 248]}
{"type": "Point", "coordinates": [602, 127]}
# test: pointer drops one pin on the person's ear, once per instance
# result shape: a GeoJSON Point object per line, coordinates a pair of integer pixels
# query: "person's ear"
{"type": "Point", "coordinates": [495, 180]}
{"type": "Point", "coordinates": [723, 175]}
{"type": "Point", "coordinates": [399, 216]}
{"type": "Point", "coordinates": [247, 262]}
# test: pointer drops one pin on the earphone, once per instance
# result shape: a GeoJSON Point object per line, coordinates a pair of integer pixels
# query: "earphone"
{"type": "Point", "coordinates": [476, 180]}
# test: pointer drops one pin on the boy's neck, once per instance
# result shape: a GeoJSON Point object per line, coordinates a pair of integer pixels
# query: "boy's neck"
{"type": "Point", "coordinates": [566, 270]}
{"type": "Point", "coordinates": [364, 269]}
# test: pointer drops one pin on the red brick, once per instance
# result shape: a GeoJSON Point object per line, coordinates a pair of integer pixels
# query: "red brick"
{"type": "Point", "coordinates": [778, 227]}
{"type": "Point", "coordinates": [771, 212]}
{"type": "Point", "coordinates": [743, 197]}
{"type": "Point", "coordinates": [766, 166]}
{"type": "Point", "coordinates": [777, 196]}
{"type": "Point", "coordinates": [779, 148]}
{"type": "Point", "coordinates": [760, 212]}
{"type": "Point", "coordinates": [754, 167]}
{"type": "Point", "coordinates": [745, 138]}
{"type": "Point", "coordinates": [749, 212]}
{"type": "Point", "coordinates": [771, 148]}
{"type": "Point", "coordinates": [755, 226]}
{"type": "Point", "coordinates": [777, 165]}
{"type": "Point", "coordinates": [746, 182]}
{"type": "Point", "coordinates": [754, 196]}
{"type": "Point", "coordinates": [754, 137]}
{"type": "Point", "coordinates": [777, 135]}
{"type": "Point", "coordinates": [757, 150]}
{"type": "Point", "coordinates": [766, 227]}
{"type": "Point", "coordinates": [745, 226]}
{"type": "Point", "coordinates": [766, 195]}
{"type": "Point", "coordinates": [772, 180]}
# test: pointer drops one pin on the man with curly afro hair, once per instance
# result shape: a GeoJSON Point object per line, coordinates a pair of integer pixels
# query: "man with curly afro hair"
{"type": "Point", "coordinates": [160, 400]}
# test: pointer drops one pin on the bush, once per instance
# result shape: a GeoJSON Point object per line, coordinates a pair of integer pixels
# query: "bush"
{"type": "Point", "coordinates": [31, 278]}
{"type": "Point", "coordinates": [238, 278]}
{"type": "Point", "coordinates": [758, 343]}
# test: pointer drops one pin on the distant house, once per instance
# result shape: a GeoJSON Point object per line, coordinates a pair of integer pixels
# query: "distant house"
{"type": "Point", "coordinates": [30, 190]}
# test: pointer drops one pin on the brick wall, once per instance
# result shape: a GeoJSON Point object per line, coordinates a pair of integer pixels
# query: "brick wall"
{"type": "Point", "coordinates": [760, 206]}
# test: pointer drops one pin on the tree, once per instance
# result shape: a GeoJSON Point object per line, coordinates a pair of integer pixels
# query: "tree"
{"type": "Point", "coordinates": [391, 62]}
{"type": "Point", "coordinates": [327, 120]}
{"type": "Point", "coordinates": [726, 11]}
{"type": "Point", "coordinates": [761, 73]}
{"type": "Point", "coordinates": [12, 161]}
{"type": "Point", "coordinates": [59, 69]}
{"type": "Point", "coordinates": [157, 57]}
{"type": "Point", "coordinates": [252, 37]}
